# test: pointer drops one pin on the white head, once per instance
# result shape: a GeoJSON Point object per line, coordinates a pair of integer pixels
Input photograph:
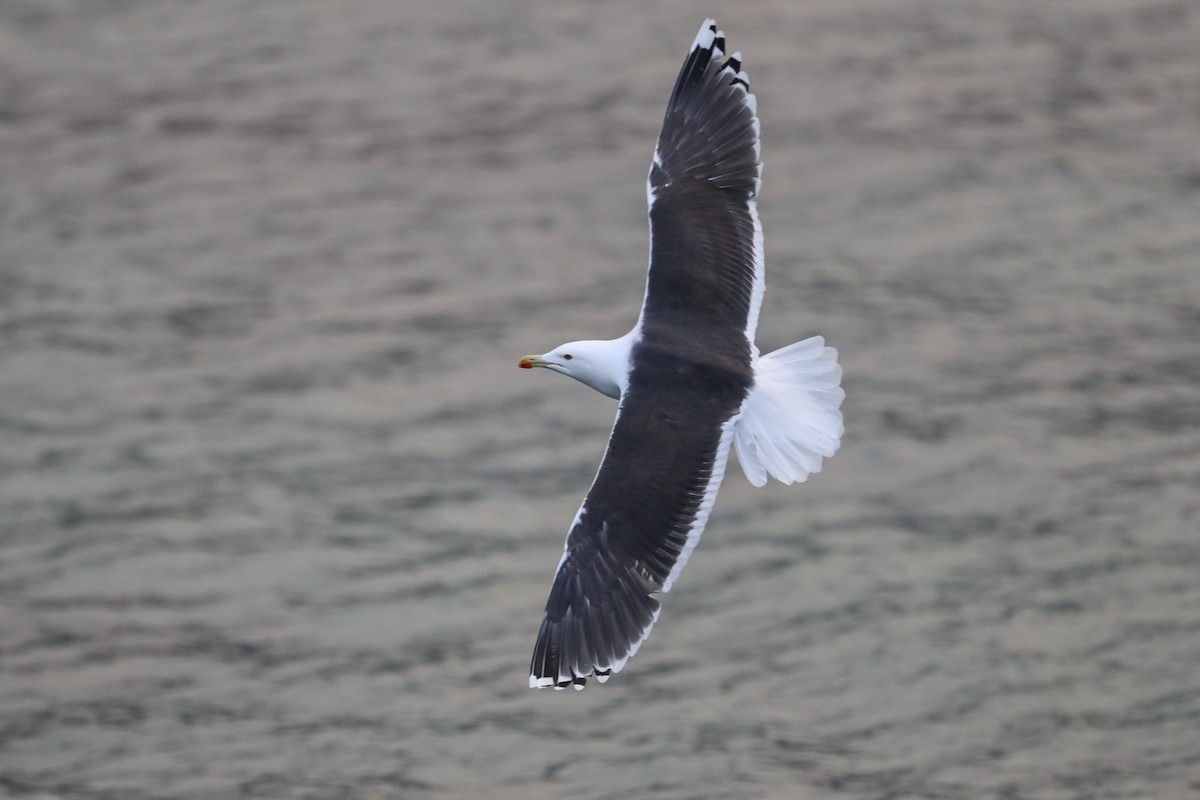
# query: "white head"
{"type": "Point", "coordinates": [602, 365]}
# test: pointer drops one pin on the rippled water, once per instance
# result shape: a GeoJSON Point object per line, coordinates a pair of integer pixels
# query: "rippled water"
{"type": "Point", "coordinates": [278, 513]}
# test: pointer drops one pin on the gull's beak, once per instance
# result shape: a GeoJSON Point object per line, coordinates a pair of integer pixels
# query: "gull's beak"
{"type": "Point", "coordinates": [529, 362]}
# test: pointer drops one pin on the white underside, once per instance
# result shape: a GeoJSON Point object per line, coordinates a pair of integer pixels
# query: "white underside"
{"type": "Point", "coordinates": [788, 424]}
{"type": "Point", "coordinates": [791, 420]}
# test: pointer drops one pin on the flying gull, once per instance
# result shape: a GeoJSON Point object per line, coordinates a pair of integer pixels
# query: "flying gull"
{"type": "Point", "coordinates": [690, 381]}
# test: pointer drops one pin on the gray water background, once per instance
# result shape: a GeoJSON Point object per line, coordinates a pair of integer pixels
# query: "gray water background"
{"type": "Point", "coordinates": [278, 513]}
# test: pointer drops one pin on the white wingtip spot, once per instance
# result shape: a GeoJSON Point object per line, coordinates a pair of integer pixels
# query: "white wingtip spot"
{"type": "Point", "coordinates": [707, 35]}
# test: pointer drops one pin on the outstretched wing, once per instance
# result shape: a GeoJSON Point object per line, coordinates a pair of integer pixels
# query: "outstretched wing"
{"type": "Point", "coordinates": [706, 258]}
{"type": "Point", "coordinates": [641, 519]}
{"type": "Point", "coordinates": [690, 377]}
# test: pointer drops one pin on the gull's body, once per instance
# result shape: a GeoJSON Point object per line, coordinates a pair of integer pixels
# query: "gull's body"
{"type": "Point", "coordinates": [690, 381]}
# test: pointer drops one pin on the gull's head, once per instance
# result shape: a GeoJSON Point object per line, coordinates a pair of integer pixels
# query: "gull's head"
{"type": "Point", "coordinates": [601, 365]}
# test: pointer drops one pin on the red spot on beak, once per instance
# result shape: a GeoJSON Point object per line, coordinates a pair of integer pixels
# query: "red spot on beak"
{"type": "Point", "coordinates": [525, 365]}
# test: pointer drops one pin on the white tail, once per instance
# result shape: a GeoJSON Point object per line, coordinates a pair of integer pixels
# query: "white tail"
{"type": "Point", "coordinates": [791, 419]}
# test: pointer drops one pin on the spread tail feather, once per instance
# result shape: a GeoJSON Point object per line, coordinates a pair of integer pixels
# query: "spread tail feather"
{"type": "Point", "coordinates": [791, 419]}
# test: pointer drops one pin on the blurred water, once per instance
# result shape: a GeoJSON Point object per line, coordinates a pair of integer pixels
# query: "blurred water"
{"type": "Point", "coordinates": [278, 514]}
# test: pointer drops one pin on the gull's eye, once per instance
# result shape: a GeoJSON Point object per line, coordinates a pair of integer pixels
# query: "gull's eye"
{"type": "Point", "coordinates": [567, 357]}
